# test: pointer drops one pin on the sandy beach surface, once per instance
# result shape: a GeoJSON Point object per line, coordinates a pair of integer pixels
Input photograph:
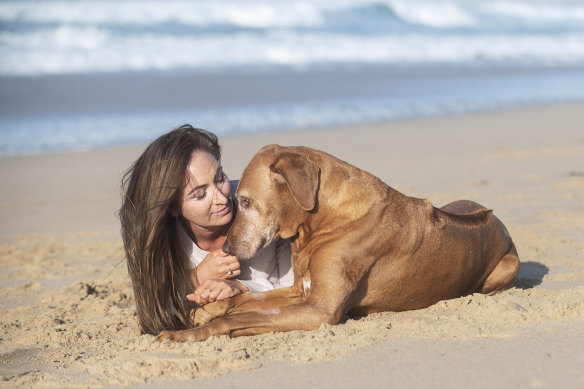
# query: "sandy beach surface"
{"type": "Point", "coordinates": [67, 315]}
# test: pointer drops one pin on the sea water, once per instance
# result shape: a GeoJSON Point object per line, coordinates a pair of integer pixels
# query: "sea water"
{"type": "Point", "coordinates": [86, 74]}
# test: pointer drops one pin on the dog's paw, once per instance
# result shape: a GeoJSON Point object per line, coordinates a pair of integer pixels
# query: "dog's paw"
{"type": "Point", "coordinates": [192, 335]}
{"type": "Point", "coordinates": [200, 316]}
{"type": "Point", "coordinates": [166, 335]}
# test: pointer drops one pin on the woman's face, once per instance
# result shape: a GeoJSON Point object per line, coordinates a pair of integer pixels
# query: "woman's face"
{"type": "Point", "coordinates": [206, 199]}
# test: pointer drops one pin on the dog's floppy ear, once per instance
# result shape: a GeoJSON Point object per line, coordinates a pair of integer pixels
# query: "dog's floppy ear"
{"type": "Point", "coordinates": [300, 174]}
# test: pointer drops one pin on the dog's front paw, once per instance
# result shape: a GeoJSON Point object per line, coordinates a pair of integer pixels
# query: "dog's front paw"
{"type": "Point", "coordinates": [200, 316]}
{"type": "Point", "coordinates": [165, 335]}
{"type": "Point", "coordinates": [192, 335]}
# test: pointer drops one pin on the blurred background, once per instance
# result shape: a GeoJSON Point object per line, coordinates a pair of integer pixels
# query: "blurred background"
{"type": "Point", "coordinates": [79, 74]}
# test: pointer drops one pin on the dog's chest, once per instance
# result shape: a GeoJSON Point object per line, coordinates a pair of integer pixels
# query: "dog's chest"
{"type": "Point", "coordinates": [301, 272]}
{"type": "Point", "coordinates": [306, 283]}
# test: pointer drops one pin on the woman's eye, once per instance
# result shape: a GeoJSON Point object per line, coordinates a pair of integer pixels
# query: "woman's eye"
{"type": "Point", "coordinates": [200, 196]}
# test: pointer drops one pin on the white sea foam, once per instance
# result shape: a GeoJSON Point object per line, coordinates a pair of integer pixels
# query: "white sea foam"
{"type": "Point", "coordinates": [79, 50]}
{"type": "Point", "coordinates": [540, 12]}
{"type": "Point", "coordinates": [283, 13]}
{"type": "Point", "coordinates": [433, 14]}
{"type": "Point", "coordinates": [241, 13]}
{"type": "Point", "coordinates": [53, 37]}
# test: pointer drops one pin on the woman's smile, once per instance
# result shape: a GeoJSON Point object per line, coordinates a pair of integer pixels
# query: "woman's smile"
{"type": "Point", "coordinates": [223, 211]}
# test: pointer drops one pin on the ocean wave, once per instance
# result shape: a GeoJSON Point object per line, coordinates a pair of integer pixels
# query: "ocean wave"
{"type": "Point", "coordinates": [61, 37]}
{"type": "Point", "coordinates": [85, 50]}
{"type": "Point", "coordinates": [262, 13]}
{"type": "Point", "coordinates": [283, 13]}
{"type": "Point", "coordinates": [234, 16]}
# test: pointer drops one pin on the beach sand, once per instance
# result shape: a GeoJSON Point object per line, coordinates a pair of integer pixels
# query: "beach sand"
{"type": "Point", "coordinates": [67, 311]}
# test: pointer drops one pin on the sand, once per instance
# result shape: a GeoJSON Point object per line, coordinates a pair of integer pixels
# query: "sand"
{"type": "Point", "coordinates": [67, 313]}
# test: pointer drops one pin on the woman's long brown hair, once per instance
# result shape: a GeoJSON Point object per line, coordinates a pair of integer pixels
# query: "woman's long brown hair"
{"type": "Point", "coordinates": [158, 267]}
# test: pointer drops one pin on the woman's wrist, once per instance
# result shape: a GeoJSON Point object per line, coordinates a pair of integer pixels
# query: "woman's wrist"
{"type": "Point", "coordinates": [201, 274]}
{"type": "Point", "coordinates": [194, 279]}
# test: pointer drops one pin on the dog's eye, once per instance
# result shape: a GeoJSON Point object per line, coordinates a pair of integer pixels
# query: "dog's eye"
{"type": "Point", "coordinates": [243, 202]}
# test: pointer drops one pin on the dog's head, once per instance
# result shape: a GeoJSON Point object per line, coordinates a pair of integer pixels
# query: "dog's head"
{"type": "Point", "coordinates": [277, 189]}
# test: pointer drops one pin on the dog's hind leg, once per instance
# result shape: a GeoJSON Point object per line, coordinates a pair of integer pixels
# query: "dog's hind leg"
{"type": "Point", "coordinates": [503, 275]}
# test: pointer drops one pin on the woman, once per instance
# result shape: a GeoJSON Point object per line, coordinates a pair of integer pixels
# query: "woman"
{"type": "Point", "coordinates": [176, 211]}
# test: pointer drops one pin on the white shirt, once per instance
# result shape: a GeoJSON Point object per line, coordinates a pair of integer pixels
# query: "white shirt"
{"type": "Point", "coordinates": [269, 269]}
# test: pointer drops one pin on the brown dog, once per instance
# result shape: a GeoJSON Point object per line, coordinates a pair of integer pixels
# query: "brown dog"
{"type": "Point", "coordinates": [358, 246]}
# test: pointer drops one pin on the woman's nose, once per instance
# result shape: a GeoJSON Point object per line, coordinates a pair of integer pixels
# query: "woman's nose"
{"type": "Point", "coordinates": [219, 195]}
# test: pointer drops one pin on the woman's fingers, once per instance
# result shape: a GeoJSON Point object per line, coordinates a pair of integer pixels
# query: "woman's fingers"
{"type": "Point", "coordinates": [214, 293]}
{"type": "Point", "coordinates": [201, 294]}
{"type": "Point", "coordinates": [230, 260]}
{"type": "Point", "coordinates": [224, 294]}
{"type": "Point", "coordinates": [232, 275]}
{"type": "Point", "coordinates": [205, 299]}
{"type": "Point", "coordinates": [234, 265]}
{"type": "Point", "coordinates": [215, 290]}
{"type": "Point", "coordinates": [231, 268]}
{"type": "Point", "coordinates": [207, 292]}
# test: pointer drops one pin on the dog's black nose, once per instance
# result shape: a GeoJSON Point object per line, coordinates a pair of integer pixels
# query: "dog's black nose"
{"type": "Point", "coordinates": [227, 248]}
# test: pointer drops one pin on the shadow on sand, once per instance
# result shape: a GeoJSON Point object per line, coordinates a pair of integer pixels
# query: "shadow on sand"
{"type": "Point", "coordinates": [531, 274]}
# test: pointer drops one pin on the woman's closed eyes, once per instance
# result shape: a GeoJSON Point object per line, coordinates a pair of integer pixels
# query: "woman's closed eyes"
{"type": "Point", "coordinates": [200, 192]}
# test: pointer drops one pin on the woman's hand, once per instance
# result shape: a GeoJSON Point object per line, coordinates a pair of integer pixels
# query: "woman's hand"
{"type": "Point", "coordinates": [217, 265]}
{"type": "Point", "coordinates": [215, 290]}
